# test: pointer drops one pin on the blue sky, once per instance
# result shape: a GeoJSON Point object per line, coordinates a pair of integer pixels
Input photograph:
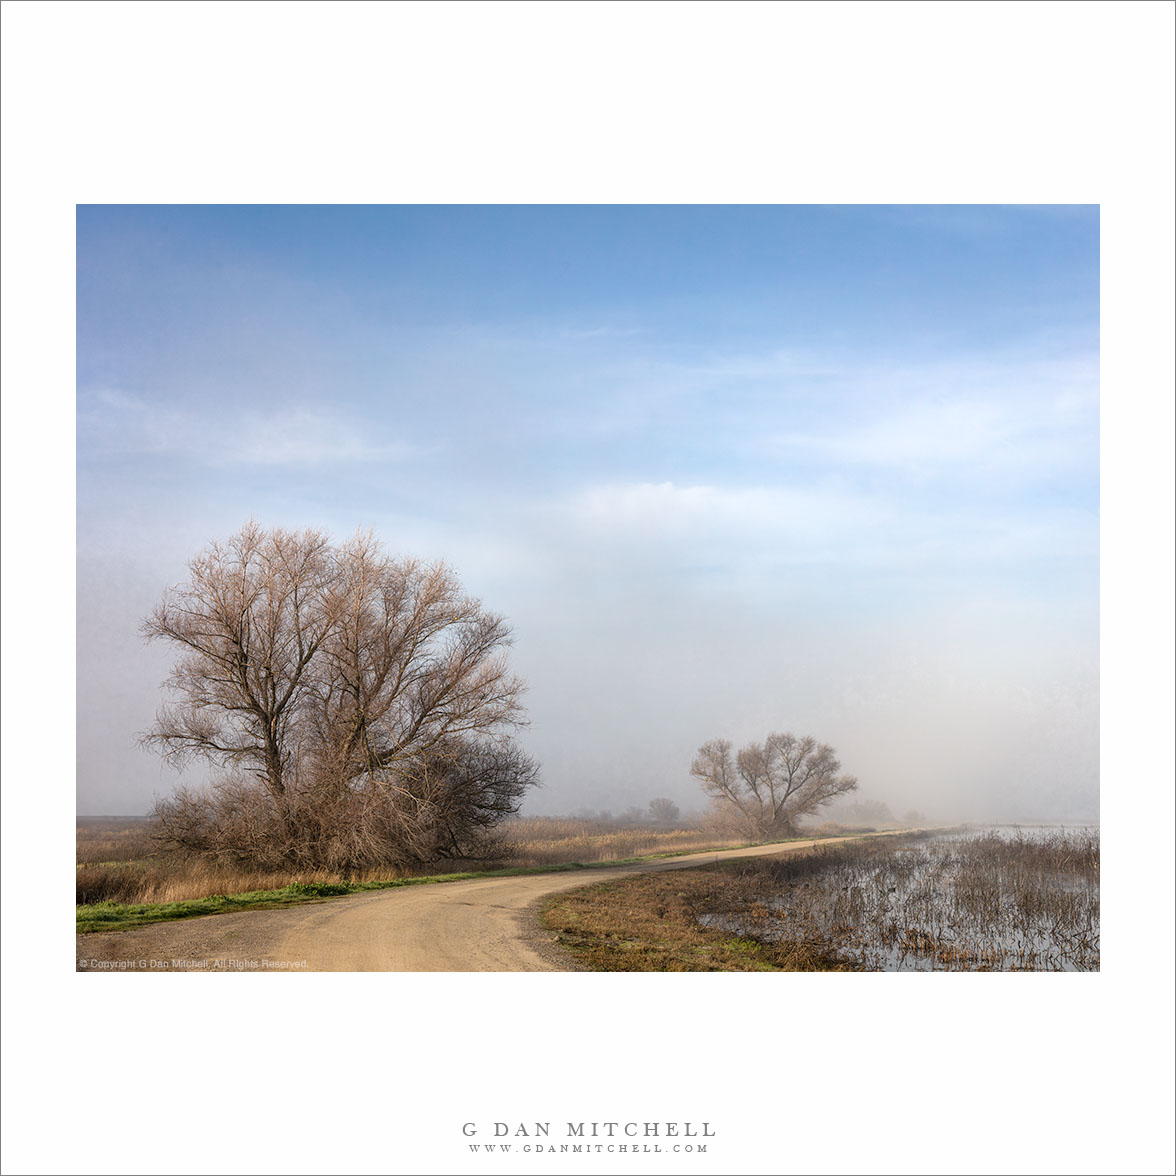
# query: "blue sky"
{"type": "Point", "coordinates": [727, 470]}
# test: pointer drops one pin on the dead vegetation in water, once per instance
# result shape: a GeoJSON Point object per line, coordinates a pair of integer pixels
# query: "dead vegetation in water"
{"type": "Point", "coordinates": [983, 902]}
{"type": "Point", "coordinates": [909, 903]}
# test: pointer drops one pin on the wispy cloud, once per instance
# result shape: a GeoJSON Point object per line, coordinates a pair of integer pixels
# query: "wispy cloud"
{"type": "Point", "coordinates": [304, 437]}
{"type": "Point", "coordinates": [115, 423]}
{"type": "Point", "coordinates": [1020, 424]}
{"type": "Point", "coordinates": [1026, 440]}
{"type": "Point", "coordinates": [663, 510]}
{"type": "Point", "coordinates": [749, 530]}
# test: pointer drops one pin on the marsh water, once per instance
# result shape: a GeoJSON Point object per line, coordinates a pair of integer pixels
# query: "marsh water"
{"type": "Point", "coordinates": [1003, 898]}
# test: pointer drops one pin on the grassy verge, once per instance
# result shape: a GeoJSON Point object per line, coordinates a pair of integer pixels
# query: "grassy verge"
{"type": "Point", "coordinates": [117, 916]}
{"type": "Point", "coordinates": [649, 923]}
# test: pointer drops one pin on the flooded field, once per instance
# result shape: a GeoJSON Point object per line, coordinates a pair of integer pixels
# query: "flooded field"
{"type": "Point", "coordinates": [1001, 899]}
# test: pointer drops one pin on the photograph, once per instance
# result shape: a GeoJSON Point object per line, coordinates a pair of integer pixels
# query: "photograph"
{"type": "Point", "coordinates": [621, 588]}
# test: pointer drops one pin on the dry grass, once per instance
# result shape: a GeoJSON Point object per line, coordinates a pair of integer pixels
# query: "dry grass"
{"type": "Point", "coordinates": [120, 861]}
{"type": "Point", "coordinates": [113, 840]}
{"type": "Point", "coordinates": [549, 841]}
{"type": "Point", "coordinates": [178, 881]}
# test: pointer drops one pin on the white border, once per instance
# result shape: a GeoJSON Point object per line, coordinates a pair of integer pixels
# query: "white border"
{"type": "Point", "coordinates": [633, 102]}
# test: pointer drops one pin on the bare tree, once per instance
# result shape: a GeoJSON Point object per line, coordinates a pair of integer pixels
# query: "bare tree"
{"type": "Point", "coordinates": [410, 665]}
{"type": "Point", "coordinates": [767, 787]}
{"type": "Point", "coordinates": [360, 704]}
{"type": "Point", "coordinates": [662, 809]}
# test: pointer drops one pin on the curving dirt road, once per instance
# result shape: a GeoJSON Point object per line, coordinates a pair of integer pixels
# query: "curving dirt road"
{"type": "Point", "coordinates": [482, 925]}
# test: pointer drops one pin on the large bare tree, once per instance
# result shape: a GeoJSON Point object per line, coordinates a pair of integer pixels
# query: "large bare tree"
{"type": "Point", "coordinates": [359, 704]}
{"type": "Point", "coordinates": [767, 787]}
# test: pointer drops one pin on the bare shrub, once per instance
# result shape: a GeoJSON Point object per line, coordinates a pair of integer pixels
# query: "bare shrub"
{"type": "Point", "coordinates": [445, 806]}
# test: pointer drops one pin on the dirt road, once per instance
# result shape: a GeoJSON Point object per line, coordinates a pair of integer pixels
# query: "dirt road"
{"type": "Point", "coordinates": [482, 925]}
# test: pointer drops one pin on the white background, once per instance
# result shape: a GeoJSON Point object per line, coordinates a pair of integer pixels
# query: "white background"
{"type": "Point", "coordinates": [570, 102]}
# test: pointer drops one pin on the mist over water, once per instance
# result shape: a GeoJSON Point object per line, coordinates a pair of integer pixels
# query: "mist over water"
{"type": "Point", "coordinates": [955, 718]}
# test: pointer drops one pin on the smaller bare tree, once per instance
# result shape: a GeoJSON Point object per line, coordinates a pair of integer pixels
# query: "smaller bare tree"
{"type": "Point", "coordinates": [767, 787]}
{"type": "Point", "coordinates": [663, 810]}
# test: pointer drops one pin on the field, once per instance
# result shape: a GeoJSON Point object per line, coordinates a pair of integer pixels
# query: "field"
{"type": "Point", "coordinates": [993, 901]}
{"type": "Point", "coordinates": [119, 862]}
